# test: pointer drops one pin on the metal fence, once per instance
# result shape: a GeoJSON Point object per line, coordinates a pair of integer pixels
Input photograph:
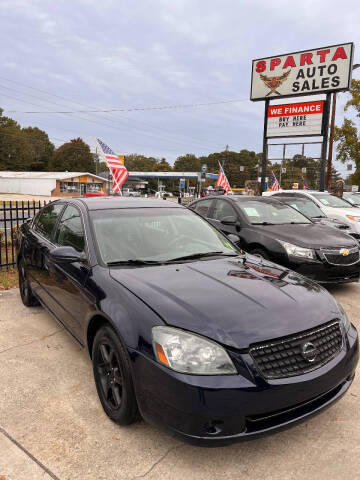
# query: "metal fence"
{"type": "Point", "coordinates": [12, 215]}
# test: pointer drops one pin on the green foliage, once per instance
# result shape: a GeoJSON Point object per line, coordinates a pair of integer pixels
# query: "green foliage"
{"type": "Point", "coordinates": [23, 148]}
{"type": "Point", "coordinates": [73, 156]}
{"type": "Point", "coordinates": [348, 148]}
{"type": "Point", "coordinates": [347, 136]}
{"type": "Point", "coordinates": [187, 163]}
{"type": "Point", "coordinates": [41, 149]}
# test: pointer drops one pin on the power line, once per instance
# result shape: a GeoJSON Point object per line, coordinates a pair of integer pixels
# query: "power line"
{"type": "Point", "coordinates": [162, 137]}
{"type": "Point", "coordinates": [127, 118]}
{"type": "Point", "coordinates": [135, 109]}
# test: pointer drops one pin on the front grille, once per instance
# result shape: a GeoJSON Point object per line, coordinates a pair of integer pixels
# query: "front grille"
{"type": "Point", "coordinates": [334, 257]}
{"type": "Point", "coordinates": [289, 356]}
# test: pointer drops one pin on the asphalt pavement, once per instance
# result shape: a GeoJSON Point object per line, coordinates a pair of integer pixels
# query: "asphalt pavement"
{"type": "Point", "coordinates": [53, 427]}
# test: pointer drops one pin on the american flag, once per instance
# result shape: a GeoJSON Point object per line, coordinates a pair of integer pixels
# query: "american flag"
{"type": "Point", "coordinates": [305, 186]}
{"type": "Point", "coordinates": [222, 181]}
{"type": "Point", "coordinates": [118, 170]}
{"type": "Point", "coordinates": [274, 183]}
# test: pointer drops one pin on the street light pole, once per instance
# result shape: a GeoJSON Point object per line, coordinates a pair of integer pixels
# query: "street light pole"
{"type": "Point", "coordinates": [331, 138]}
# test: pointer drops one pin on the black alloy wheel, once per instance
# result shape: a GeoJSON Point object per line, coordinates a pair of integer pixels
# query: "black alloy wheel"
{"type": "Point", "coordinates": [111, 366]}
{"type": "Point", "coordinates": [26, 294]}
{"type": "Point", "coordinates": [259, 252]}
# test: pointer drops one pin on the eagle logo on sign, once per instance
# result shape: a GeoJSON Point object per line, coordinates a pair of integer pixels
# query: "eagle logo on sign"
{"type": "Point", "coordinates": [274, 82]}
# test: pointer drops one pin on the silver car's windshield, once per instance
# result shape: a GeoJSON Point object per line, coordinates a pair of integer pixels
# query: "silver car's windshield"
{"type": "Point", "coordinates": [307, 207]}
{"type": "Point", "coordinates": [155, 234]}
{"type": "Point", "coordinates": [352, 198]}
{"type": "Point", "coordinates": [331, 200]}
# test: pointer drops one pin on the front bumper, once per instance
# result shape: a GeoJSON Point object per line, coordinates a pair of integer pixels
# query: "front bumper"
{"type": "Point", "coordinates": [324, 272]}
{"type": "Point", "coordinates": [217, 410]}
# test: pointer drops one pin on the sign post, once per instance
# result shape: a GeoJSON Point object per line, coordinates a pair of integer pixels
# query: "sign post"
{"type": "Point", "coordinates": [309, 72]}
{"type": "Point", "coordinates": [325, 142]}
{"type": "Point", "coordinates": [264, 152]}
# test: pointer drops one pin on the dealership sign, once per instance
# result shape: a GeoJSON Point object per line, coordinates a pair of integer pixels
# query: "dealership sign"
{"type": "Point", "coordinates": [321, 70]}
{"type": "Point", "coordinates": [295, 119]}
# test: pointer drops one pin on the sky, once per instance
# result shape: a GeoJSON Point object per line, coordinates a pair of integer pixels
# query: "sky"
{"type": "Point", "coordinates": [115, 54]}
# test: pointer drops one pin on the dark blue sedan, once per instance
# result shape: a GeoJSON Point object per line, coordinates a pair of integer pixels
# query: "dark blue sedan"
{"type": "Point", "coordinates": [182, 327]}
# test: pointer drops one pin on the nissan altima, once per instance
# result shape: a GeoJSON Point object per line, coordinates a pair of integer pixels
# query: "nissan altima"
{"type": "Point", "coordinates": [183, 328]}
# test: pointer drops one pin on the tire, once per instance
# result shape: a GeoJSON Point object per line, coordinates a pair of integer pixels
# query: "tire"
{"type": "Point", "coordinates": [113, 380]}
{"type": "Point", "coordinates": [259, 252]}
{"type": "Point", "coordinates": [26, 294]}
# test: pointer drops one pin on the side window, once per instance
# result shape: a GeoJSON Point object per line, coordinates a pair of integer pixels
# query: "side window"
{"type": "Point", "coordinates": [70, 231]}
{"type": "Point", "coordinates": [223, 209]}
{"type": "Point", "coordinates": [46, 219]}
{"type": "Point", "coordinates": [203, 207]}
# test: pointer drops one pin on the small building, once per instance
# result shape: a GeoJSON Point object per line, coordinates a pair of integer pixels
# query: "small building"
{"type": "Point", "coordinates": [51, 184]}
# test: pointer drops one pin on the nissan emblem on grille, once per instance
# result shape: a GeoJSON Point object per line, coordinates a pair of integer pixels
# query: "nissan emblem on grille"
{"type": "Point", "coordinates": [298, 354]}
{"type": "Point", "coordinates": [309, 351]}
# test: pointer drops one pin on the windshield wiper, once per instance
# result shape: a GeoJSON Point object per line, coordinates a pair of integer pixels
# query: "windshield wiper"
{"type": "Point", "coordinates": [319, 216]}
{"type": "Point", "coordinates": [194, 256]}
{"type": "Point", "coordinates": [134, 261]}
{"type": "Point", "coordinates": [263, 223]}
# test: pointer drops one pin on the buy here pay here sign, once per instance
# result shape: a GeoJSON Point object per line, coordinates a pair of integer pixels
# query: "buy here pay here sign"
{"type": "Point", "coordinates": [295, 119]}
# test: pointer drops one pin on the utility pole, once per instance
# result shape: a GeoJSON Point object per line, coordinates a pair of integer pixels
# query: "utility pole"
{"type": "Point", "coordinates": [226, 156]}
{"type": "Point", "coordinates": [331, 141]}
{"type": "Point", "coordinates": [324, 145]}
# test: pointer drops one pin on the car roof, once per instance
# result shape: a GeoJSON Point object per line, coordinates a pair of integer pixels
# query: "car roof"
{"type": "Point", "coordinates": [253, 198]}
{"type": "Point", "coordinates": [106, 203]}
{"type": "Point", "coordinates": [303, 192]}
{"type": "Point", "coordinates": [287, 198]}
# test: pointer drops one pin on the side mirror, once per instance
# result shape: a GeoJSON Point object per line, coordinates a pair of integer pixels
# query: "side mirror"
{"type": "Point", "coordinates": [229, 220]}
{"type": "Point", "coordinates": [66, 255]}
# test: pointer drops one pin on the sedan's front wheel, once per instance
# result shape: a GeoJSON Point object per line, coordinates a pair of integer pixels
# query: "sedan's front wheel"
{"type": "Point", "coordinates": [113, 379]}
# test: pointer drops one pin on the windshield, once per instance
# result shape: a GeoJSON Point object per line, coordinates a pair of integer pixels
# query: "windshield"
{"type": "Point", "coordinates": [307, 207]}
{"type": "Point", "coordinates": [331, 200]}
{"type": "Point", "coordinates": [262, 213]}
{"type": "Point", "coordinates": [155, 234]}
{"type": "Point", "coordinates": [352, 198]}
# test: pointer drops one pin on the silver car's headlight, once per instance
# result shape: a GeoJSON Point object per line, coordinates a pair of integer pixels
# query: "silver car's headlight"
{"type": "Point", "coordinates": [296, 251]}
{"type": "Point", "coordinates": [343, 316]}
{"type": "Point", "coordinates": [190, 353]}
{"type": "Point", "coordinates": [354, 218]}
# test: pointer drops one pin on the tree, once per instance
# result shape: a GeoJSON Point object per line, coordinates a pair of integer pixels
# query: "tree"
{"type": "Point", "coordinates": [14, 151]}
{"type": "Point", "coordinates": [137, 163]}
{"type": "Point", "coordinates": [23, 148]}
{"type": "Point", "coordinates": [187, 163]}
{"type": "Point", "coordinates": [42, 149]}
{"type": "Point", "coordinates": [347, 136]}
{"type": "Point", "coordinates": [162, 166]}
{"type": "Point", "coordinates": [73, 156]}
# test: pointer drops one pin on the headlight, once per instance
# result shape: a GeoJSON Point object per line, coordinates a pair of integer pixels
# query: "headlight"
{"type": "Point", "coordinates": [296, 251]}
{"type": "Point", "coordinates": [353, 218]}
{"type": "Point", "coordinates": [343, 317]}
{"type": "Point", "coordinates": [189, 353]}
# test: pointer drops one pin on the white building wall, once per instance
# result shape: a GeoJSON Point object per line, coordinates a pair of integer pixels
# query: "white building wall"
{"type": "Point", "coordinates": [28, 186]}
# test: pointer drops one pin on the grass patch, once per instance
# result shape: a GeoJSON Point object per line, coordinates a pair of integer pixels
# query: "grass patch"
{"type": "Point", "coordinates": [8, 279]}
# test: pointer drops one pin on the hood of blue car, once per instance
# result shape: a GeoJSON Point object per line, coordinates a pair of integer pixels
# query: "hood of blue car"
{"type": "Point", "coordinates": [236, 302]}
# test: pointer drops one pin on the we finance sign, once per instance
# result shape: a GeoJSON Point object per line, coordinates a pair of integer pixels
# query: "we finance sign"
{"type": "Point", "coordinates": [321, 70]}
{"type": "Point", "coordinates": [295, 119]}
